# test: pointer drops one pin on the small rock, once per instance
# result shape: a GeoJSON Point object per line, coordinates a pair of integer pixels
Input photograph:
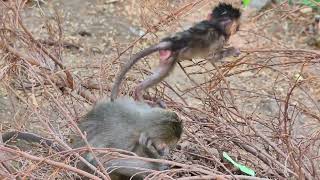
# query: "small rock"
{"type": "Point", "coordinates": [298, 77]}
{"type": "Point", "coordinates": [183, 145]}
{"type": "Point", "coordinates": [317, 18]}
{"type": "Point", "coordinates": [306, 10]}
{"type": "Point", "coordinates": [85, 33]}
{"type": "Point", "coordinates": [136, 31]}
{"type": "Point", "coordinates": [111, 1]}
{"type": "Point", "coordinates": [214, 152]}
{"type": "Point", "coordinates": [259, 4]}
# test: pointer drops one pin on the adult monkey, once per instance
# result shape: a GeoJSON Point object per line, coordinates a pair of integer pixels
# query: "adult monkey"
{"type": "Point", "coordinates": [123, 124]}
{"type": "Point", "coordinates": [200, 40]}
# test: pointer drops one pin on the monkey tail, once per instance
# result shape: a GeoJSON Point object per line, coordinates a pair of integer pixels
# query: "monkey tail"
{"type": "Point", "coordinates": [119, 78]}
{"type": "Point", "coordinates": [30, 137]}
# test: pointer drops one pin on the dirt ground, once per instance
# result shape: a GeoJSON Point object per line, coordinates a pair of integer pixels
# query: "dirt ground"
{"type": "Point", "coordinates": [256, 84]}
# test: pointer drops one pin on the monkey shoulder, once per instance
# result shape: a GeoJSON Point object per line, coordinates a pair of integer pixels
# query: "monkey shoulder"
{"type": "Point", "coordinates": [121, 106]}
{"type": "Point", "coordinates": [192, 36]}
{"type": "Point", "coordinates": [203, 35]}
{"type": "Point", "coordinates": [201, 28]}
{"type": "Point", "coordinates": [122, 112]}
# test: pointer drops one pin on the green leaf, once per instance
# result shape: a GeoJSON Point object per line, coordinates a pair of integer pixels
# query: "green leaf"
{"type": "Point", "coordinates": [246, 2]}
{"type": "Point", "coordinates": [242, 168]}
{"type": "Point", "coordinates": [310, 3]}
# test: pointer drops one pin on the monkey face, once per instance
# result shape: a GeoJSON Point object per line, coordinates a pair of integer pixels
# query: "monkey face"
{"type": "Point", "coordinates": [232, 27]}
{"type": "Point", "coordinates": [164, 145]}
{"type": "Point", "coordinates": [161, 144]}
{"type": "Point", "coordinates": [162, 148]}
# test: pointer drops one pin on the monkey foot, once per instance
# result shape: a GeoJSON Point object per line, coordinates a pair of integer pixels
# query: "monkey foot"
{"type": "Point", "coordinates": [157, 103]}
{"type": "Point", "coordinates": [161, 104]}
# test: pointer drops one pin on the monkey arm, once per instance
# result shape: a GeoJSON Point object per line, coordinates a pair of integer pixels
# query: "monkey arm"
{"type": "Point", "coordinates": [149, 147]}
{"type": "Point", "coordinates": [231, 51]}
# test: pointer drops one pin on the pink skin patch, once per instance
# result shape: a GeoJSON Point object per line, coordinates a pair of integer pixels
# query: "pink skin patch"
{"type": "Point", "coordinates": [165, 54]}
{"type": "Point", "coordinates": [209, 17]}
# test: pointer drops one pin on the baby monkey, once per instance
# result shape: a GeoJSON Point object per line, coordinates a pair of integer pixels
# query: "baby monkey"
{"type": "Point", "coordinates": [205, 37]}
{"type": "Point", "coordinates": [124, 124]}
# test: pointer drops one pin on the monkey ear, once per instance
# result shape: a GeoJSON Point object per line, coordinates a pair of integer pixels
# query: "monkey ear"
{"type": "Point", "coordinates": [225, 23]}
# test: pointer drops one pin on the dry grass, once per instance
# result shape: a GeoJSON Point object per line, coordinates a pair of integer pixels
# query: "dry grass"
{"type": "Point", "coordinates": [254, 107]}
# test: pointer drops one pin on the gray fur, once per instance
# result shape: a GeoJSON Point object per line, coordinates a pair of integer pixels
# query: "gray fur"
{"type": "Point", "coordinates": [123, 124]}
{"type": "Point", "coordinates": [106, 122]}
{"type": "Point", "coordinates": [133, 126]}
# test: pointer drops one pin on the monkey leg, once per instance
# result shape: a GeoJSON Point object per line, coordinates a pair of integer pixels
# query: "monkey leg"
{"type": "Point", "coordinates": [132, 168]}
{"type": "Point", "coordinates": [165, 66]}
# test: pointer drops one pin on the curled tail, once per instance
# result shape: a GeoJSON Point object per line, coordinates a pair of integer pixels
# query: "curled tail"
{"type": "Point", "coordinates": [119, 78]}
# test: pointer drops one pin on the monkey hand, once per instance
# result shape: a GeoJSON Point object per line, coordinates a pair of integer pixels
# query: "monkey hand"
{"type": "Point", "coordinates": [161, 104]}
{"type": "Point", "coordinates": [163, 167]}
{"type": "Point", "coordinates": [157, 103]}
{"type": "Point", "coordinates": [231, 51]}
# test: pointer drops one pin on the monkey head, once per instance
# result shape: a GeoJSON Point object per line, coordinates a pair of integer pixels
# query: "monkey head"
{"type": "Point", "coordinates": [164, 133]}
{"type": "Point", "coordinates": [227, 17]}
